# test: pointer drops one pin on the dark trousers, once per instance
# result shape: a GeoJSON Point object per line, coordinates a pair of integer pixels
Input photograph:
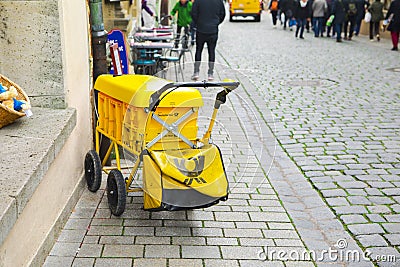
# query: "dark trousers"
{"type": "Point", "coordinates": [192, 31]}
{"type": "Point", "coordinates": [185, 36]}
{"type": "Point", "coordinates": [352, 21]}
{"type": "Point", "coordinates": [358, 25]}
{"type": "Point", "coordinates": [211, 41]}
{"type": "Point", "coordinates": [300, 26]}
{"type": "Point", "coordinates": [274, 14]}
{"type": "Point", "coordinates": [373, 29]}
{"type": "Point", "coordinates": [288, 17]}
{"type": "Point", "coordinates": [338, 30]}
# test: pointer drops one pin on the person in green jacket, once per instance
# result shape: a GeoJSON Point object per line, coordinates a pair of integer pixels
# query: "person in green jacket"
{"type": "Point", "coordinates": [376, 10]}
{"type": "Point", "coordinates": [184, 8]}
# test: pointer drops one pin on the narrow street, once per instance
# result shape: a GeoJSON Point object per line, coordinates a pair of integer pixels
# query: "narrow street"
{"type": "Point", "coordinates": [311, 146]}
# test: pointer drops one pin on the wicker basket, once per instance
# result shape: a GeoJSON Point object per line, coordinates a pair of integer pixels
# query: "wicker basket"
{"type": "Point", "coordinates": [7, 115]}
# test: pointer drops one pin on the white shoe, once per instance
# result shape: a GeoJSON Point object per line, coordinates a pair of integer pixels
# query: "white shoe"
{"type": "Point", "coordinates": [195, 76]}
{"type": "Point", "coordinates": [210, 77]}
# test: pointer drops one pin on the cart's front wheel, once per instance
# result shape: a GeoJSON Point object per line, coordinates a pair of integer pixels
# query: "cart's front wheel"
{"type": "Point", "coordinates": [116, 192]}
{"type": "Point", "coordinates": [93, 170]}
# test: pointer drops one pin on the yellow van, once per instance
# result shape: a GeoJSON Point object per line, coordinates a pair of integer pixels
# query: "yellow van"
{"type": "Point", "coordinates": [245, 8]}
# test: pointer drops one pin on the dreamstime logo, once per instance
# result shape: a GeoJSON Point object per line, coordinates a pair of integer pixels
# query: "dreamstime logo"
{"type": "Point", "coordinates": [338, 254]}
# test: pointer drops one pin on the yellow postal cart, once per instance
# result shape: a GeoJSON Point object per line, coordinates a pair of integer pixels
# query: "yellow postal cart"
{"type": "Point", "coordinates": [154, 121]}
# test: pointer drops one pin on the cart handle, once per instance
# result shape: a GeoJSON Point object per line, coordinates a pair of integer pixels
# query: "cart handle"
{"type": "Point", "coordinates": [228, 86]}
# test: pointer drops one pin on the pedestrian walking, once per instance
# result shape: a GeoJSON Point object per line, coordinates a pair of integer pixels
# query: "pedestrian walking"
{"type": "Point", "coordinates": [273, 7]}
{"type": "Point", "coordinates": [207, 15]}
{"type": "Point", "coordinates": [192, 29]}
{"type": "Point", "coordinates": [319, 8]}
{"type": "Point", "coordinates": [339, 11]}
{"type": "Point", "coordinates": [147, 9]}
{"type": "Point", "coordinates": [184, 9]}
{"type": "Point", "coordinates": [302, 14]}
{"type": "Point", "coordinates": [362, 5]}
{"type": "Point", "coordinates": [393, 18]}
{"type": "Point", "coordinates": [376, 10]}
{"type": "Point", "coordinates": [330, 29]}
{"type": "Point", "coordinates": [350, 21]}
{"type": "Point", "coordinates": [287, 7]}
{"type": "Point", "coordinates": [308, 25]}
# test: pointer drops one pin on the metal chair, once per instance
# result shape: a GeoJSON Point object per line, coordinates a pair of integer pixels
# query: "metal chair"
{"type": "Point", "coordinates": [183, 47]}
{"type": "Point", "coordinates": [145, 63]}
{"type": "Point", "coordinates": [172, 59]}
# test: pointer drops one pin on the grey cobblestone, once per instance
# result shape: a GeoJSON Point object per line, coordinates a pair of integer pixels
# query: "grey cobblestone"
{"type": "Point", "coordinates": [379, 209]}
{"type": "Point", "coordinates": [72, 236]}
{"type": "Point", "coordinates": [201, 252]}
{"type": "Point", "coordinates": [91, 239]}
{"type": "Point", "coordinates": [117, 240]}
{"type": "Point", "coordinates": [140, 231]}
{"type": "Point", "coordinates": [216, 232]}
{"type": "Point", "coordinates": [394, 239]}
{"type": "Point", "coordinates": [64, 249]}
{"type": "Point", "coordinates": [358, 200]}
{"type": "Point", "coordinates": [90, 250]}
{"type": "Point", "coordinates": [392, 227]}
{"type": "Point", "coordinates": [337, 201]}
{"type": "Point", "coordinates": [240, 253]}
{"type": "Point", "coordinates": [82, 262]}
{"type": "Point", "coordinates": [352, 219]}
{"type": "Point", "coordinates": [363, 229]}
{"type": "Point", "coordinates": [182, 262]}
{"type": "Point", "coordinates": [121, 251]}
{"type": "Point", "coordinates": [356, 192]}
{"type": "Point", "coordinates": [350, 209]}
{"type": "Point", "coordinates": [373, 191]}
{"type": "Point", "coordinates": [279, 233]}
{"type": "Point", "coordinates": [162, 251]}
{"type": "Point", "coordinates": [333, 193]}
{"type": "Point", "coordinates": [373, 240]}
{"type": "Point", "coordinates": [375, 218]}
{"type": "Point", "coordinates": [114, 262]}
{"type": "Point", "coordinates": [392, 217]}
{"type": "Point", "coordinates": [105, 230]}
{"type": "Point", "coordinates": [58, 261]}
{"type": "Point", "coordinates": [350, 185]}
{"type": "Point", "coordinates": [380, 200]}
{"type": "Point", "coordinates": [231, 216]}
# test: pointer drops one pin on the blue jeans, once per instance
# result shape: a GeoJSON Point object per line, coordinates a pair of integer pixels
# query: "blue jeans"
{"type": "Point", "coordinates": [318, 26]}
{"type": "Point", "coordinates": [338, 30]}
{"type": "Point", "coordinates": [300, 26]}
{"type": "Point", "coordinates": [358, 25]}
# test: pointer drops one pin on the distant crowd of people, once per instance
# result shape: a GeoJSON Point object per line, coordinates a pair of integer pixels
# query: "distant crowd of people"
{"type": "Point", "coordinates": [337, 18]}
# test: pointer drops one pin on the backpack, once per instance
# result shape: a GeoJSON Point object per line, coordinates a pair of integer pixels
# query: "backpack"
{"type": "Point", "coordinates": [352, 9]}
{"type": "Point", "coordinates": [274, 5]}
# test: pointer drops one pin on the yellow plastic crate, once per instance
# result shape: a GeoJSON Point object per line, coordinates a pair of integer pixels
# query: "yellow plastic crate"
{"type": "Point", "coordinates": [121, 106]}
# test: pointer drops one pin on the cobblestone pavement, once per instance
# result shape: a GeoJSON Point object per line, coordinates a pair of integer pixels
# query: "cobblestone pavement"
{"type": "Point", "coordinates": [310, 142]}
{"type": "Point", "coordinates": [334, 109]}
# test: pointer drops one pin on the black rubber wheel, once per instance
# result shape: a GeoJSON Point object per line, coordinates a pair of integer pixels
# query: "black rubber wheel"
{"type": "Point", "coordinates": [116, 192]}
{"type": "Point", "coordinates": [93, 170]}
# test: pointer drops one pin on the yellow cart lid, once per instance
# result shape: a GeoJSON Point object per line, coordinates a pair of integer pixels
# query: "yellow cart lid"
{"type": "Point", "coordinates": [135, 89]}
